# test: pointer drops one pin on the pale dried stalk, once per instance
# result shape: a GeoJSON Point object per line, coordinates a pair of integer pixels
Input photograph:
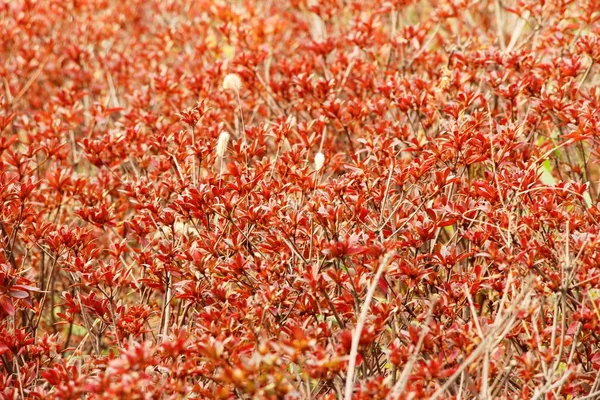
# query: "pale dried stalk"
{"type": "Point", "coordinates": [484, 392]}
{"type": "Point", "coordinates": [500, 329]}
{"type": "Point", "coordinates": [518, 31]}
{"type": "Point", "coordinates": [166, 314]}
{"type": "Point", "coordinates": [31, 80]}
{"type": "Point", "coordinates": [403, 379]}
{"type": "Point", "coordinates": [361, 323]}
{"type": "Point", "coordinates": [499, 24]}
{"type": "Point", "coordinates": [551, 386]}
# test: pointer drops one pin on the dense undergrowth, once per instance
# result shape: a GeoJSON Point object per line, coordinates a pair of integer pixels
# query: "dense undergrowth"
{"type": "Point", "coordinates": [388, 199]}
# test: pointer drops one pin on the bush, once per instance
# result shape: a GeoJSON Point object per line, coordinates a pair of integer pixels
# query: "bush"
{"type": "Point", "coordinates": [299, 199]}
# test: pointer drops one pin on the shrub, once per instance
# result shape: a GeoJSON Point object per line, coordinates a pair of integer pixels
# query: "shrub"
{"type": "Point", "coordinates": [299, 199]}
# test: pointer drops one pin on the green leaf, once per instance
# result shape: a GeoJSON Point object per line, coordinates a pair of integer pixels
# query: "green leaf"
{"type": "Point", "coordinates": [545, 173]}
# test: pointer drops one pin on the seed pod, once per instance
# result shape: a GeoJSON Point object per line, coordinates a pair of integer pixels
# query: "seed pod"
{"type": "Point", "coordinates": [232, 82]}
{"type": "Point", "coordinates": [319, 161]}
{"type": "Point", "coordinates": [222, 144]}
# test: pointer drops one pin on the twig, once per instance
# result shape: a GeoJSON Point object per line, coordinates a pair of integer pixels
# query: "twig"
{"type": "Point", "coordinates": [500, 329]}
{"type": "Point", "coordinates": [518, 31]}
{"type": "Point", "coordinates": [32, 79]}
{"type": "Point", "coordinates": [403, 379]}
{"type": "Point", "coordinates": [499, 26]}
{"type": "Point", "coordinates": [550, 387]}
{"type": "Point", "coordinates": [425, 45]}
{"type": "Point", "coordinates": [360, 324]}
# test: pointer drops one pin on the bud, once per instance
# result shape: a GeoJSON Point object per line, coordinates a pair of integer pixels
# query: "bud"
{"type": "Point", "coordinates": [222, 144]}
{"type": "Point", "coordinates": [319, 161]}
{"type": "Point", "coordinates": [232, 82]}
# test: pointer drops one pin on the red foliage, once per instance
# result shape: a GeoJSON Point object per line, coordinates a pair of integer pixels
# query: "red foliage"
{"type": "Point", "coordinates": [410, 183]}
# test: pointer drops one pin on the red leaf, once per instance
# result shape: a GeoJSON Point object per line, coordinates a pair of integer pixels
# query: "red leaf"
{"type": "Point", "coordinates": [18, 294]}
{"type": "Point", "coordinates": [447, 222]}
{"type": "Point", "coordinates": [8, 305]}
{"type": "Point", "coordinates": [27, 288]}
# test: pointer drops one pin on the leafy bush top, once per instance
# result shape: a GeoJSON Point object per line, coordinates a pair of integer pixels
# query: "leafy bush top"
{"type": "Point", "coordinates": [299, 199]}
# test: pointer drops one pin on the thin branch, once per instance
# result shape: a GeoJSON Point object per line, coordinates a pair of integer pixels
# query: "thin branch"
{"type": "Point", "coordinates": [360, 324]}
